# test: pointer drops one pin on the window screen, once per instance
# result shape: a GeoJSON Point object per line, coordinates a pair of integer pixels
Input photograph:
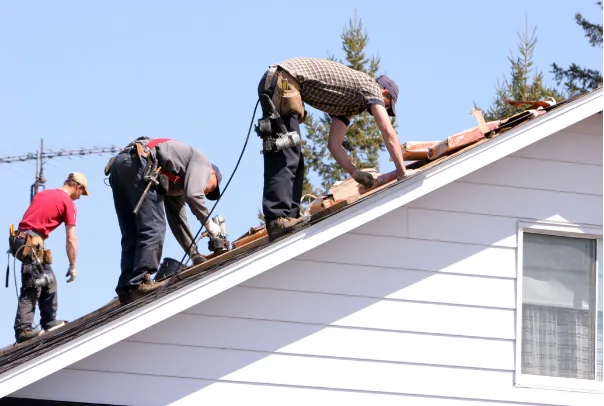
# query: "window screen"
{"type": "Point", "coordinates": [560, 316]}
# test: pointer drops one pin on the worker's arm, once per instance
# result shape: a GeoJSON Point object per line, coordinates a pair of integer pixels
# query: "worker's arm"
{"type": "Point", "coordinates": [176, 213]}
{"type": "Point", "coordinates": [71, 244]}
{"type": "Point", "coordinates": [391, 140]}
{"type": "Point", "coordinates": [337, 132]}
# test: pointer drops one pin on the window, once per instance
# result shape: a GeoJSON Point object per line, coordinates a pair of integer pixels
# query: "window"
{"type": "Point", "coordinates": [559, 318]}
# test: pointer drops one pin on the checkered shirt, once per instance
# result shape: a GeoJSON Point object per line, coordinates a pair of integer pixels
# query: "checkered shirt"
{"type": "Point", "coordinates": [332, 87]}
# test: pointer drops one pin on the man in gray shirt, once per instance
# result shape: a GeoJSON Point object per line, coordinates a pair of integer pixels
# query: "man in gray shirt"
{"type": "Point", "coordinates": [191, 179]}
{"type": "Point", "coordinates": [187, 177]}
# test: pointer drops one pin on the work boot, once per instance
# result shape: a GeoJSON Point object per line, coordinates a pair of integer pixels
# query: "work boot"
{"type": "Point", "coordinates": [26, 334]}
{"type": "Point", "coordinates": [55, 324]}
{"type": "Point", "coordinates": [281, 226]}
{"type": "Point", "coordinates": [125, 297]}
{"type": "Point", "coordinates": [198, 259]}
{"type": "Point", "coordinates": [147, 286]}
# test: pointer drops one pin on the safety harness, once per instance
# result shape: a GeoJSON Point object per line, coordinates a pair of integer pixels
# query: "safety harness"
{"type": "Point", "coordinates": [147, 149]}
{"type": "Point", "coordinates": [144, 147]}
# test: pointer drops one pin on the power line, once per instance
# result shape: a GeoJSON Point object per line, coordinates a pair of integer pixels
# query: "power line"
{"type": "Point", "coordinates": [40, 156]}
{"type": "Point", "coordinates": [61, 153]}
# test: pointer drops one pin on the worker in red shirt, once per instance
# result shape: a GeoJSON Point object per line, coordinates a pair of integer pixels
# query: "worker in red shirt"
{"type": "Point", "coordinates": [46, 212]}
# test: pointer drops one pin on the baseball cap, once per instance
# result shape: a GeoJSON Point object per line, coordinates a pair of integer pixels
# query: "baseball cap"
{"type": "Point", "coordinates": [392, 88]}
{"type": "Point", "coordinates": [81, 179]}
{"type": "Point", "coordinates": [215, 194]}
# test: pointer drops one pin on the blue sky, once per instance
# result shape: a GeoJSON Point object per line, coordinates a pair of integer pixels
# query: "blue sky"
{"type": "Point", "coordinates": [100, 73]}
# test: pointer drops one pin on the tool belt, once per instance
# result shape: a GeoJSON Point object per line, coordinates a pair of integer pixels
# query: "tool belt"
{"type": "Point", "coordinates": [28, 246]}
{"type": "Point", "coordinates": [285, 91]}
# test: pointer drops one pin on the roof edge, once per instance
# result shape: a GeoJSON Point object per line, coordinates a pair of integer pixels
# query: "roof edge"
{"type": "Point", "coordinates": [361, 213]}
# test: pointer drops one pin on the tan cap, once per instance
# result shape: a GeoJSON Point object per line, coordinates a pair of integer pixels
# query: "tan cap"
{"type": "Point", "coordinates": [81, 179]}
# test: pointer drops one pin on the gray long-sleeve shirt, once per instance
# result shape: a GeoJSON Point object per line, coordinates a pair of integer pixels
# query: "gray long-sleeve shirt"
{"type": "Point", "coordinates": [195, 168]}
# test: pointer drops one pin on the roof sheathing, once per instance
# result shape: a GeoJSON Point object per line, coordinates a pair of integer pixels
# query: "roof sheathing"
{"type": "Point", "coordinates": [103, 328]}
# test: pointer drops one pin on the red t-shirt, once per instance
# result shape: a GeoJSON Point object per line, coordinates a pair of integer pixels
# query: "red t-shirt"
{"type": "Point", "coordinates": [47, 211]}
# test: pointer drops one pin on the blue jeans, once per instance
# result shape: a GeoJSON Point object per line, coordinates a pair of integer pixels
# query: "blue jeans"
{"type": "Point", "coordinates": [142, 234]}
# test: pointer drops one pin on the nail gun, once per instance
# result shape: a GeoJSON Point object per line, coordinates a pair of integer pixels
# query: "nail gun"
{"type": "Point", "coordinates": [218, 243]}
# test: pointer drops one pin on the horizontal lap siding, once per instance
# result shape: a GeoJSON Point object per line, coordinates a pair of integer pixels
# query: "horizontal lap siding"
{"type": "Point", "coordinates": [389, 283]}
{"type": "Point", "coordinates": [129, 389]}
{"type": "Point", "coordinates": [330, 341]}
{"type": "Point", "coordinates": [198, 363]}
{"type": "Point", "coordinates": [415, 307]}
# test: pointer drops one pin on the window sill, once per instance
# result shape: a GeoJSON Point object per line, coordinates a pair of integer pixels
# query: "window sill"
{"type": "Point", "coordinates": [560, 384]}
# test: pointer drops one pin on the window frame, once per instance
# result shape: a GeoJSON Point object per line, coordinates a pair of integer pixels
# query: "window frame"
{"type": "Point", "coordinates": [556, 230]}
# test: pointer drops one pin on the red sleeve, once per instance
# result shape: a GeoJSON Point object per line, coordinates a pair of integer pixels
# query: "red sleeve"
{"type": "Point", "coordinates": [70, 213]}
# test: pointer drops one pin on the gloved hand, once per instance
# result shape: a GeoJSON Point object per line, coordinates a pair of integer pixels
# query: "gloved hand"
{"type": "Point", "coordinates": [72, 273]}
{"type": "Point", "coordinates": [408, 173]}
{"type": "Point", "coordinates": [364, 178]}
{"type": "Point", "coordinates": [212, 228]}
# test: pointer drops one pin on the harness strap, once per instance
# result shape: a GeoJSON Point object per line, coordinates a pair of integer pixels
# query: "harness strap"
{"type": "Point", "coordinates": [173, 178]}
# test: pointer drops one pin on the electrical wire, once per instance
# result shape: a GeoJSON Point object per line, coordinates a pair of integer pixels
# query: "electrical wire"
{"type": "Point", "coordinates": [247, 138]}
{"type": "Point", "coordinates": [15, 278]}
{"type": "Point", "coordinates": [15, 270]}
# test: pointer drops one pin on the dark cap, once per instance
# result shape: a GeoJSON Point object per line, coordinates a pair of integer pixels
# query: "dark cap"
{"type": "Point", "coordinates": [392, 88]}
{"type": "Point", "coordinates": [215, 194]}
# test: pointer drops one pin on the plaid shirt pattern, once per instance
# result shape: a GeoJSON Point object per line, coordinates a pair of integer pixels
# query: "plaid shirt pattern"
{"type": "Point", "coordinates": [332, 87]}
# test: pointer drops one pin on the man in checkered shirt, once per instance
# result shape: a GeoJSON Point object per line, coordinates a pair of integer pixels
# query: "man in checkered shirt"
{"type": "Point", "coordinates": [342, 93]}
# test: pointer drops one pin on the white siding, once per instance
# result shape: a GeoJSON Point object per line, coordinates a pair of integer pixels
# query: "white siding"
{"type": "Point", "coordinates": [416, 307]}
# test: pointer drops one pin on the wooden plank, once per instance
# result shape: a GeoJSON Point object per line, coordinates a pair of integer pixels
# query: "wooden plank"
{"type": "Point", "coordinates": [249, 238]}
{"type": "Point", "coordinates": [197, 269]}
{"type": "Point", "coordinates": [329, 210]}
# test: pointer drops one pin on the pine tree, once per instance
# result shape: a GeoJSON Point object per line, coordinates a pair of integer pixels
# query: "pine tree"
{"type": "Point", "coordinates": [576, 79]}
{"type": "Point", "coordinates": [525, 82]}
{"type": "Point", "coordinates": [363, 140]}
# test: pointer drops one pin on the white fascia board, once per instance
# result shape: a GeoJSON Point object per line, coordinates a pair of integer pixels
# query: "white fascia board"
{"type": "Point", "coordinates": [303, 241]}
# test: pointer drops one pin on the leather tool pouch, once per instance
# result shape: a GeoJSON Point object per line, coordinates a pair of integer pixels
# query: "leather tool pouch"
{"type": "Point", "coordinates": [108, 166]}
{"type": "Point", "coordinates": [291, 103]}
{"type": "Point", "coordinates": [20, 245]}
{"type": "Point", "coordinates": [47, 257]}
{"type": "Point", "coordinates": [286, 98]}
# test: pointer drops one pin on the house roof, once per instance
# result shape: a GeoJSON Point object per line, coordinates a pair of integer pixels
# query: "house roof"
{"type": "Point", "coordinates": [26, 363]}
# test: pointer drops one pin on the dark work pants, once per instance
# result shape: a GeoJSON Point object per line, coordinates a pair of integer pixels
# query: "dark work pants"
{"type": "Point", "coordinates": [142, 234]}
{"type": "Point", "coordinates": [283, 173]}
{"type": "Point", "coordinates": [46, 298]}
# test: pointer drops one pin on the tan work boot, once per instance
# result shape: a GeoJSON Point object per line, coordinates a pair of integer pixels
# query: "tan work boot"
{"type": "Point", "coordinates": [281, 226]}
{"type": "Point", "coordinates": [27, 334]}
{"type": "Point", "coordinates": [147, 286]}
